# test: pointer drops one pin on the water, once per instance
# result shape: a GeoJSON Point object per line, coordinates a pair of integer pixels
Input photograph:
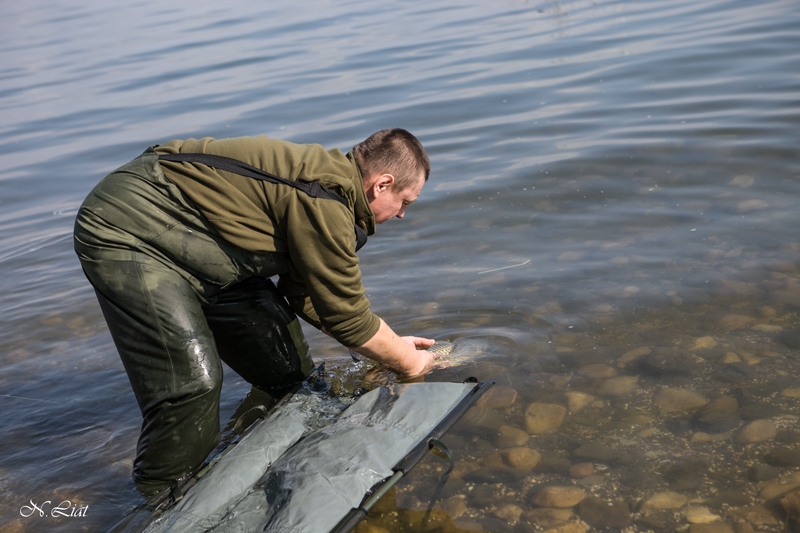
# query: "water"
{"type": "Point", "coordinates": [607, 176]}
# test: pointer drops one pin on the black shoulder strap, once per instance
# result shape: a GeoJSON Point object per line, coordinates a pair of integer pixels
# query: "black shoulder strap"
{"type": "Point", "coordinates": [312, 189]}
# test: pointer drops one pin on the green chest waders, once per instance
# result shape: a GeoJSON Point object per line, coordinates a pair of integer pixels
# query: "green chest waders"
{"type": "Point", "coordinates": [178, 299]}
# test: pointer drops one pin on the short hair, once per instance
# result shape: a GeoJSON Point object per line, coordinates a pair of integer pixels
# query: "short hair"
{"type": "Point", "coordinates": [394, 151]}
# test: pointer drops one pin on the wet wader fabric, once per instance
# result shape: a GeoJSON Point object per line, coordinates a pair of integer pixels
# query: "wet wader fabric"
{"type": "Point", "coordinates": [178, 299]}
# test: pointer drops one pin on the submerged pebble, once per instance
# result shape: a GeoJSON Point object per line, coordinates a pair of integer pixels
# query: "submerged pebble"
{"type": "Point", "coordinates": [577, 400]}
{"type": "Point", "coordinates": [784, 456]}
{"type": "Point", "coordinates": [508, 437]}
{"type": "Point", "coordinates": [699, 515]}
{"type": "Point", "coordinates": [632, 356]}
{"type": "Point", "coordinates": [510, 512]}
{"type": "Point", "coordinates": [757, 431]}
{"type": "Point", "coordinates": [549, 517]}
{"type": "Point", "coordinates": [581, 470]}
{"type": "Point", "coordinates": [544, 417]}
{"type": "Point", "coordinates": [704, 343]}
{"type": "Point", "coordinates": [519, 458]}
{"type": "Point", "coordinates": [757, 515]}
{"type": "Point", "coordinates": [619, 386]}
{"type": "Point", "coordinates": [602, 514]}
{"type": "Point", "coordinates": [560, 497]}
{"type": "Point", "coordinates": [791, 504]}
{"type": "Point", "coordinates": [663, 501]}
{"type": "Point", "coordinates": [779, 487]}
{"type": "Point", "coordinates": [732, 322]}
{"type": "Point", "coordinates": [498, 397]}
{"type": "Point", "coordinates": [669, 400]}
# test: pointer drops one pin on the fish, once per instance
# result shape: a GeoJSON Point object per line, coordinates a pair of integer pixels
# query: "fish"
{"type": "Point", "coordinates": [459, 352]}
{"type": "Point", "coordinates": [456, 353]}
{"type": "Point", "coordinates": [442, 348]}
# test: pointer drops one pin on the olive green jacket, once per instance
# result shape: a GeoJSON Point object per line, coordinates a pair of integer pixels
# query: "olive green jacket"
{"type": "Point", "coordinates": [320, 278]}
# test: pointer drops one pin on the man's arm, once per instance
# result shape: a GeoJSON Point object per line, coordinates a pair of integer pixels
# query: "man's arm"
{"type": "Point", "coordinates": [405, 355]}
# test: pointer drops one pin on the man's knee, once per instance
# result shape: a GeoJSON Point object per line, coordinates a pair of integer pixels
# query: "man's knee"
{"type": "Point", "coordinates": [206, 382]}
{"type": "Point", "coordinates": [259, 336]}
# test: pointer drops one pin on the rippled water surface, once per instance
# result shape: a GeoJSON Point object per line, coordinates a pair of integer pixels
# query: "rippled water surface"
{"type": "Point", "coordinates": [613, 212]}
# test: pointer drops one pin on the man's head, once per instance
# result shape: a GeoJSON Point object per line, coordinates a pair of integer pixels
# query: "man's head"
{"type": "Point", "coordinates": [394, 167]}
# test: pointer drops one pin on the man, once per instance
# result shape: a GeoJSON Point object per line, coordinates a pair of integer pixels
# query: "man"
{"type": "Point", "coordinates": [180, 244]}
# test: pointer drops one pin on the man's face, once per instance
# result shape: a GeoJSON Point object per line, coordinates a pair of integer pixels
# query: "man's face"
{"type": "Point", "coordinates": [386, 203]}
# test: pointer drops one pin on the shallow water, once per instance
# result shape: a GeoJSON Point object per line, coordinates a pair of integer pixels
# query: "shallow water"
{"type": "Point", "coordinates": [608, 176]}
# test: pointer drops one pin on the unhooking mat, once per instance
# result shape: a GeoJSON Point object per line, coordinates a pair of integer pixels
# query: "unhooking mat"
{"type": "Point", "coordinates": [302, 471]}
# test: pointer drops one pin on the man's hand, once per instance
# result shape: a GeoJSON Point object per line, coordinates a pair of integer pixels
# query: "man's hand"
{"type": "Point", "coordinates": [420, 343]}
{"type": "Point", "coordinates": [407, 356]}
{"type": "Point", "coordinates": [427, 359]}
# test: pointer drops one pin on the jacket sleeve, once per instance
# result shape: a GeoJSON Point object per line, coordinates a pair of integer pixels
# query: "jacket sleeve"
{"type": "Point", "coordinates": [324, 282]}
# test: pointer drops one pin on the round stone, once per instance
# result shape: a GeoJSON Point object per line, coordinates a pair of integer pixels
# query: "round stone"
{"type": "Point", "coordinates": [663, 501]}
{"type": "Point", "coordinates": [498, 397]}
{"type": "Point", "coordinates": [779, 487]}
{"type": "Point", "coordinates": [521, 458]}
{"type": "Point", "coordinates": [561, 497]}
{"type": "Point", "coordinates": [632, 356]}
{"type": "Point", "coordinates": [548, 516]}
{"type": "Point", "coordinates": [733, 321]}
{"type": "Point", "coordinates": [509, 512]}
{"type": "Point", "coordinates": [791, 504]}
{"type": "Point", "coordinates": [699, 515]}
{"type": "Point", "coordinates": [784, 456]}
{"type": "Point", "coordinates": [619, 386]}
{"type": "Point", "coordinates": [577, 400]}
{"type": "Point", "coordinates": [757, 431]}
{"type": "Point", "coordinates": [603, 515]}
{"type": "Point", "coordinates": [508, 437]}
{"type": "Point", "coordinates": [544, 417]}
{"type": "Point", "coordinates": [765, 472]}
{"type": "Point", "coordinates": [581, 470]}
{"type": "Point", "coordinates": [669, 400]}
{"type": "Point", "coordinates": [704, 343]}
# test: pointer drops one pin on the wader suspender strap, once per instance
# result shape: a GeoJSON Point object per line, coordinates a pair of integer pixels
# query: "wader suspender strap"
{"type": "Point", "coordinates": [312, 189]}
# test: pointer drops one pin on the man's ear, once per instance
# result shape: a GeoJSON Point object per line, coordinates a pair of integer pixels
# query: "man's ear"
{"type": "Point", "coordinates": [382, 183]}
